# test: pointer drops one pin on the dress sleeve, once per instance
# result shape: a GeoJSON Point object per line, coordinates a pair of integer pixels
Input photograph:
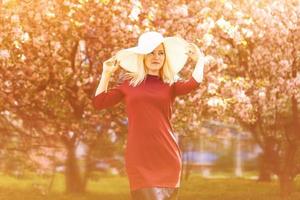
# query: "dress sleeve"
{"type": "Point", "coordinates": [185, 87]}
{"type": "Point", "coordinates": [109, 98]}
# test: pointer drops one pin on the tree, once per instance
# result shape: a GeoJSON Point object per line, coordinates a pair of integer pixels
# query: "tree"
{"type": "Point", "coordinates": [51, 54]}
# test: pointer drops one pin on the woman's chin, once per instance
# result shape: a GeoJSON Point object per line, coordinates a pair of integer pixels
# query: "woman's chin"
{"type": "Point", "coordinates": [155, 67]}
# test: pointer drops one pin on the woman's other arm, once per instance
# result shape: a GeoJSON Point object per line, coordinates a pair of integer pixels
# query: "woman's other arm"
{"type": "Point", "coordinates": [185, 87]}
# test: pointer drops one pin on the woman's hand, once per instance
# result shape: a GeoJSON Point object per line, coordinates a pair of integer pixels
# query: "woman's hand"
{"type": "Point", "coordinates": [194, 52]}
{"type": "Point", "coordinates": [111, 65]}
{"type": "Point", "coordinates": [197, 55]}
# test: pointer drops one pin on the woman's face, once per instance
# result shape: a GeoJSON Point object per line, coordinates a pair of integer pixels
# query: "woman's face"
{"type": "Point", "coordinates": [155, 60]}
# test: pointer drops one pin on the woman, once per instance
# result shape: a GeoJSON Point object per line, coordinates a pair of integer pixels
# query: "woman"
{"type": "Point", "coordinates": [152, 156]}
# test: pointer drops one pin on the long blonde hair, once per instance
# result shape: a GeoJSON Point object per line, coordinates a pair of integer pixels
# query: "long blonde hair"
{"type": "Point", "coordinates": [165, 73]}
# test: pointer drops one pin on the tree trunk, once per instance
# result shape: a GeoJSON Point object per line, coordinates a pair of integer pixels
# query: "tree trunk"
{"type": "Point", "coordinates": [269, 160]}
{"type": "Point", "coordinates": [264, 169]}
{"type": "Point", "coordinates": [87, 168]}
{"type": "Point", "coordinates": [287, 175]}
{"type": "Point", "coordinates": [74, 181]}
{"type": "Point", "coordinates": [286, 185]}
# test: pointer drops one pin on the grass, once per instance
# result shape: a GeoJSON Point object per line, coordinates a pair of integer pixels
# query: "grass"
{"type": "Point", "coordinates": [109, 187]}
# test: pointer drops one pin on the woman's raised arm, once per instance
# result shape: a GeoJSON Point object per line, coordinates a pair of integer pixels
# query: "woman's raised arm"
{"type": "Point", "coordinates": [105, 98]}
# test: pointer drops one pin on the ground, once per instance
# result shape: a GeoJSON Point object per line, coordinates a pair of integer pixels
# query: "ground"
{"type": "Point", "coordinates": [111, 187]}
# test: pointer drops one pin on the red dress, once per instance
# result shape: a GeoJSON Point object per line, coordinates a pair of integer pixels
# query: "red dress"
{"type": "Point", "coordinates": [152, 155]}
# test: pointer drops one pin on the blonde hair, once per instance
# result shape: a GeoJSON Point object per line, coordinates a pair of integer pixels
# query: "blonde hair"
{"type": "Point", "coordinates": [166, 73]}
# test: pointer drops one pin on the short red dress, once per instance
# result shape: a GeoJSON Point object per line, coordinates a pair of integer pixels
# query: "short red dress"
{"type": "Point", "coordinates": [152, 155]}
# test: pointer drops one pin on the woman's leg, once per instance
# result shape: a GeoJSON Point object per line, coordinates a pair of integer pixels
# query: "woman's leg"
{"type": "Point", "coordinates": [155, 194]}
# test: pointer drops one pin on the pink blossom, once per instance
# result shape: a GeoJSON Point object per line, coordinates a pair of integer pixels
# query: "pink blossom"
{"type": "Point", "coordinates": [212, 88]}
{"type": "Point", "coordinates": [4, 54]}
{"type": "Point", "coordinates": [284, 63]}
{"type": "Point", "coordinates": [215, 102]}
{"type": "Point", "coordinates": [208, 39]}
{"type": "Point", "coordinates": [15, 19]}
{"type": "Point", "coordinates": [241, 96]}
{"type": "Point", "coordinates": [135, 12]}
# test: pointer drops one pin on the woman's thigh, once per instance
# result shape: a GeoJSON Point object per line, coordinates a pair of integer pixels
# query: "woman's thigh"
{"type": "Point", "coordinates": [155, 193]}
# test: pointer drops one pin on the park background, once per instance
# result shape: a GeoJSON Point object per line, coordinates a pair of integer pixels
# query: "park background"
{"type": "Point", "coordinates": [239, 131]}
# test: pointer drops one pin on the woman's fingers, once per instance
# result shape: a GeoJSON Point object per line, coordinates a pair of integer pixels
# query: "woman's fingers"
{"type": "Point", "coordinates": [111, 64]}
{"type": "Point", "coordinates": [193, 51]}
{"type": "Point", "coordinates": [188, 50]}
{"type": "Point", "coordinates": [117, 62]}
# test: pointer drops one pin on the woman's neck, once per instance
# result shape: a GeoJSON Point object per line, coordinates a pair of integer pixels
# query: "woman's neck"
{"type": "Point", "coordinates": [155, 73]}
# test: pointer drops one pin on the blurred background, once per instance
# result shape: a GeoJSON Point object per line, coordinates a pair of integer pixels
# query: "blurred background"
{"type": "Point", "coordinates": [239, 132]}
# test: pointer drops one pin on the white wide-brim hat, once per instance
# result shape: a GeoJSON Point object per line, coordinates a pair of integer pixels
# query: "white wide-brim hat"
{"type": "Point", "coordinates": [175, 49]}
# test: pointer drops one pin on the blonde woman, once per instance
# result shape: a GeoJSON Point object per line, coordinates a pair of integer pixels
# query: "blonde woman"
{"type": "Point", "coordinates": [152, 156]}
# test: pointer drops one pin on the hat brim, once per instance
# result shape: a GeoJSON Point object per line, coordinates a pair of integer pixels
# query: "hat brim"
{"type": "Point", "coordinates": [175, 48]}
